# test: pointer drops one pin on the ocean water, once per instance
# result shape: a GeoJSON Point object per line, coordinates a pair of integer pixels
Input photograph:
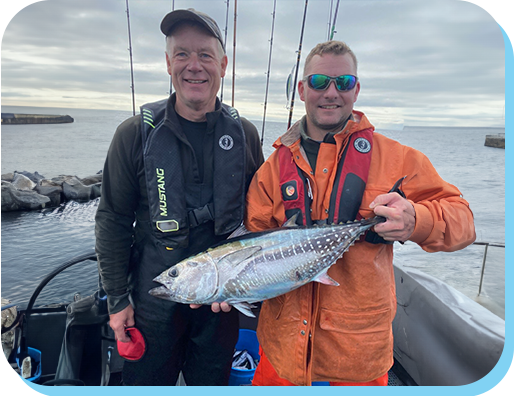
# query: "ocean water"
{"type": "Point", "coordinates": [34, 243]}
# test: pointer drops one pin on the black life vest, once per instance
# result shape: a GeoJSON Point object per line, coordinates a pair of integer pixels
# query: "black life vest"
{"type": "Point", "coordinates": [170, 219]}
{"type": "Point", "coordinates": [348, 188]}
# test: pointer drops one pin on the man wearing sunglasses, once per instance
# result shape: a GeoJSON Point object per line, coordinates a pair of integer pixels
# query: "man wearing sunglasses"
{"type": "Point", "coordinates": [332, 167]}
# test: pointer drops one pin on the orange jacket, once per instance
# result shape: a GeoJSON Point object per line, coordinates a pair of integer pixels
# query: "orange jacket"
{"type": "Point", "coordinates": [343, 333]}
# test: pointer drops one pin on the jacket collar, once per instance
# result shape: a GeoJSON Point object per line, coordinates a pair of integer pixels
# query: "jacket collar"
{"type": "Point", "coordinates": [292, 137]}
{"type": "Point", "coordinates": [171, 114]}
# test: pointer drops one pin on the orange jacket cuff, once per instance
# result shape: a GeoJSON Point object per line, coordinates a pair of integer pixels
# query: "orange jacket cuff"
{"type": "Point", "coordinates": [423, 223]}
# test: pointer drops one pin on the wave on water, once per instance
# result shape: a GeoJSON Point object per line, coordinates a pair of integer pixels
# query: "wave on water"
{"type": "Point", "coordinates": [72, 211]}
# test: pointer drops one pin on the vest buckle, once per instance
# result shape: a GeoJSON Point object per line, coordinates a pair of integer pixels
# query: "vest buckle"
{"type": "Point", "coordinates": [200, 216]}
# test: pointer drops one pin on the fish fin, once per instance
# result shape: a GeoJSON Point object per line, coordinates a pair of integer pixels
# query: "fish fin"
{"type": "Point", "coordinates": [234, 258]}
{"type": "Point", "coordinates": [326, 279]}
{"type": "Point", "coordinates": [292, 221]}
{"type": "Point", "coordinates": [245, 309]}
{"type": "Point", "coordinates": [241, 230]}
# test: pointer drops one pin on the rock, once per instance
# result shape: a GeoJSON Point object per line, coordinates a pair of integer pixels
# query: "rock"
{"type": "Point", "coordinates": [73, 189]}
{"type": "Point", "coordinates": [31, 191]}
{"type": "Point", "coordinates": [38, 176]}
{"type": "Point", "coordinates": [96, 191]}
{"type": "Point", "coordinates": [8, 177]}
{"type": "Point", "coordinates": [61, 179]}
{"type": "Point", "coordinates": [52, 192]}
{"type": "Point", "coordinates": [22, 182]}
{"type": "Point", "coordinates": [7, 198]}
{"type": "Point", "coordinates": [94, 179]}
{"type": "Point", "coordinates": [50, 183]}
{"type": "Point", "coordinates": [35, 177]}
{"type": "Point", "coordinates": [13, 199]}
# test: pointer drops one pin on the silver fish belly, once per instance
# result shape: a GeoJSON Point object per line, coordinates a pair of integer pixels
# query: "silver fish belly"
{"type": "Point", "coordinates": [259, 266]}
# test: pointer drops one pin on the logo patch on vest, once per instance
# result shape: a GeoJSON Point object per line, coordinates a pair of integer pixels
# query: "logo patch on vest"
{"type": "Point", "coordinates": [362, 145]}
{"type": "Point", "coordinates": [289, 190]}
{"type": "Point", "coordinates": [226, 142]}
{"type": "Point", "coordinates": [162, 191]}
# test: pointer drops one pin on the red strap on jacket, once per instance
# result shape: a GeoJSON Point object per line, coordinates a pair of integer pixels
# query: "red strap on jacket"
{"type": "Point", "coordinates": [349, 184]}
{"type": "Point", "coordinates": [356, 162]}
{"type": "Point", "coordinates": [292, 185]}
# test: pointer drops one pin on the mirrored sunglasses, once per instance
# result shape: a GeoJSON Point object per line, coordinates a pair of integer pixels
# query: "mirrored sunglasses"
{"type": "Point", "coordinates": [320, 82]}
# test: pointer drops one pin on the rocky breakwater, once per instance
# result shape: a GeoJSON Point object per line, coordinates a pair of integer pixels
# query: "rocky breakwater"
{"type": "Point", "coordinates": [495, 140]}
{"type": "Point", "coordinates": [14, 119]}
{"type": "Point", "coordinates": [32, 191]}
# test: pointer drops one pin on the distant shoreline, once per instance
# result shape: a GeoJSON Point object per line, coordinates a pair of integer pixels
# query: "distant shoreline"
{"type": "Point", "coordinates": [452, 127]}
{"type": "Point", "coordinates": [254, 119]}
{"type": "Point", "coordinates": [22, 119]}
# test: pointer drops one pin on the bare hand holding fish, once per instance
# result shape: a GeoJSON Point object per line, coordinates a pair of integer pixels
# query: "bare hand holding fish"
{"type": "Point", "coordinates": [215, 307]}
{"type": "Point", "coordinates": [400, 215]}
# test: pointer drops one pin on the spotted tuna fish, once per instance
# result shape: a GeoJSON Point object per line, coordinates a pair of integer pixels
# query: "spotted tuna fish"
{"type": "Point", "coordinates": [259, 266]}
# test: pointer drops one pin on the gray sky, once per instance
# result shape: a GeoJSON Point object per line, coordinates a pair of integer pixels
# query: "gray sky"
{"type": "Point", "coordinates": [420, 62]}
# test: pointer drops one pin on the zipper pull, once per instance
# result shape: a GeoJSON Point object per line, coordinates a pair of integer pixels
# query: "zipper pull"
{"type": "Point", "coordinates": [310, 191]}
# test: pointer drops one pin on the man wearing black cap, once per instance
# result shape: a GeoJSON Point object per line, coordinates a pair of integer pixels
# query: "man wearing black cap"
{"type": "Point", "coordinates": [174, 183]}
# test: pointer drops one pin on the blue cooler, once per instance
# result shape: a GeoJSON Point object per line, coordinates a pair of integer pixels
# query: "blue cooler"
{"type": "Point", "coordinates": [35, 354]}
{"type": "Point", "coordinates": [247, 339]}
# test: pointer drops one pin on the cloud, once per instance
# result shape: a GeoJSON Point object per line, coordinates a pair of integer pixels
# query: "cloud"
{"type": "Point", "coordinates": [418, 58]}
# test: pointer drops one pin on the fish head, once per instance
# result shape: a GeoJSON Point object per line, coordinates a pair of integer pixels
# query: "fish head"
{"type": "Point", "coordinates": [192, 281]}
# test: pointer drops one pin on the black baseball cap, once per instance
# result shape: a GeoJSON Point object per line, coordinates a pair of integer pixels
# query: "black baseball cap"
{"type": "Point", "coordinates": [172, 18]}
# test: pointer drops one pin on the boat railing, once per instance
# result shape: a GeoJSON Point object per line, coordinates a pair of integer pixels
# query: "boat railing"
{"type": "Point", "coordinates": [486, 245]}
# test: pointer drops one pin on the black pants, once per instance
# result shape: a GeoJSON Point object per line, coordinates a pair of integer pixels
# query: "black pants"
{"type": "Point", "coordinates": [197, 342]}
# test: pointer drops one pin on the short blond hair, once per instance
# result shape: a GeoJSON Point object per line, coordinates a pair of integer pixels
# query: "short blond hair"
{"type": "Point", "coordinates": [330, 47]}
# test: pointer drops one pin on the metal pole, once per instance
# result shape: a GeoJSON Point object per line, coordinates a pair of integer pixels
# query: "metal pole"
{"type": "Point", "coordinates": [268, 74]}
{"type": "Point", "coordinates": [483, 270]}
{"type": "Point", "coordinates": [487, 244]}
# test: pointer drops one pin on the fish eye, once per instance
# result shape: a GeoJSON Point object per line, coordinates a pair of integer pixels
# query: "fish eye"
{"type": "Point", "coordinates": [174, 272]}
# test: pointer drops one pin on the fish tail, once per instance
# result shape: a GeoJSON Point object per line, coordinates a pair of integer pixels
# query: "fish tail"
{"type": "Point", "coordinates": [373, 221]}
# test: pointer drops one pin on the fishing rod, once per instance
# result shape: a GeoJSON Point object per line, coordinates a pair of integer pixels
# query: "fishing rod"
{"type": "Point", "coordinates": [130, 56]}
{"type": "Point", "coordinates": [225, 46]}
{"type": "Point", "coordinates": [268, 74]}
{"type": "Point", "coordinates": [298, 63]}
{"type": "Point", "coordinates": [234, 51]}
{"type": "Point", "coordinates": [329, 20]}
{"type": "Point", "coordinates": [334, 21]}
{"type": "Point", "coordinates": [171, 80]}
